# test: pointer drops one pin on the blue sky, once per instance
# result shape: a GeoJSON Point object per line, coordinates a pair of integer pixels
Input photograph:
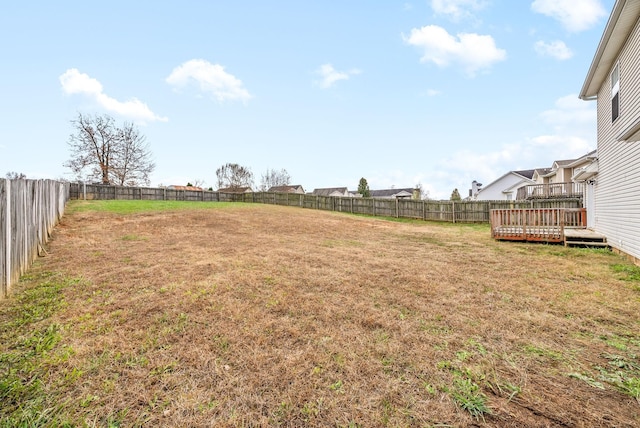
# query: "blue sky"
{"type": "Point", "coordinates": [436, 92]}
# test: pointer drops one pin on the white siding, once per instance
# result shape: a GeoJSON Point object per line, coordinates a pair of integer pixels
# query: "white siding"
{"type": "Point", "coordinates": [494, 191]}
{"type": "Point", "coordinates": [618, 181]}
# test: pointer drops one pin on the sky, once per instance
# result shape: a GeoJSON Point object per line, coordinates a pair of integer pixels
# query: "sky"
{"type": "Point", "coordinates": [431, 92]}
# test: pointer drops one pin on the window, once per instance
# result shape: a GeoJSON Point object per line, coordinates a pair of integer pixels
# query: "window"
{"type": "Point", "coordinates": [615, 93]}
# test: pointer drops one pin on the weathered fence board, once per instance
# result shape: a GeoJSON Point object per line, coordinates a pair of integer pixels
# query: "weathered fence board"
{"type": "Point", "coordinates": [29, 209]}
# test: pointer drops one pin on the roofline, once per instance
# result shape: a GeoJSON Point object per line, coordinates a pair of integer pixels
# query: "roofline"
{"type": "Point", "coordinates": [585, 93]}
{"type": "Point", "coordinates": [503, 176]}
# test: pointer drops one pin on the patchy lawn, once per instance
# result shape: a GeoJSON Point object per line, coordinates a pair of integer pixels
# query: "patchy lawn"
{"type": "Point", "coordinates": [255, 315]}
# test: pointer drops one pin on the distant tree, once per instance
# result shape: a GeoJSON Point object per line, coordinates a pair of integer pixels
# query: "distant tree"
{"type": "Point", "coordinates": [363, 188]}
{"type": "Point", "coordinates": [455, 195]}
{"type": "Point", "coordinates": [273, 178]}
{"type": "Point", "coordinates": [232, 175]}
{"type": "Point", "coordinates": [189, 184]}
{"type": "Point", "coordinates": [12, 175]}
{"type": "Point", "coordinates": [421, 193]}
{"type": "Point", "coordinates": [111, 154]}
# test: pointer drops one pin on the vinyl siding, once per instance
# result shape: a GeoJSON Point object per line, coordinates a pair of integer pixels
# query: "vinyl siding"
{"type": "Point", "coordinates": [617, 202]}
{"type": "Point", "coordinates": [493, 191]}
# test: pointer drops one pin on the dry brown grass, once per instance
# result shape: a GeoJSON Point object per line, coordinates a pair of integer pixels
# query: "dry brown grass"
{"type": "Point", "coordinates": [264, 316]}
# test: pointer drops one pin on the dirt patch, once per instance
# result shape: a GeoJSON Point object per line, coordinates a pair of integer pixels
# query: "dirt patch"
{"type": "Point", "coordinates": [264, 315]}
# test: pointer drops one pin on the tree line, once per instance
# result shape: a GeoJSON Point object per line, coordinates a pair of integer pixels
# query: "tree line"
{"type": "Point", "coordinates": [102, 151]}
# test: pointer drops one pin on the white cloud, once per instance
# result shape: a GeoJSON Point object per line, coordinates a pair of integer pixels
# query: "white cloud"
{"type": "Point", "coordinates": [330, 75]}
{"type": "Point", "coordinates": [571, 115]}
{"type": "Point", "coordinates": [569, 133]}
{"type": "Point", "coordinates": [433, 92]}
{"type": "Point", "coordinates": [473, 52]}
{"type": "Point", "coordinates": [556, 49]}
{"type": "Point", "coordinates": [209, 78]}
{"type": "Point", "coordinates": [73, 82]}
{"type": "Point", "coordinates": [457, 9]}
{"type": "Point", "coordinates": [574, 15]}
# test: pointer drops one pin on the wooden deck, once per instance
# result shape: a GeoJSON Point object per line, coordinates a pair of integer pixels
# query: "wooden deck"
{"type": "Point", "coordinates": [553, 225]}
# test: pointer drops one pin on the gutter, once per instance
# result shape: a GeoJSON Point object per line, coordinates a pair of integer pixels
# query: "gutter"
{"type": "Point", "coordinates": [613, 18]}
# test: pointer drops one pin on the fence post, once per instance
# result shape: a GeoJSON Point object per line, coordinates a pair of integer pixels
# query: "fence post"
{"type": "Point", "coordinates": [397, 212]}
{"type": "Point", "coordinates": [453, 211]}
{"type": "Point", "coordinates": [84, 190]}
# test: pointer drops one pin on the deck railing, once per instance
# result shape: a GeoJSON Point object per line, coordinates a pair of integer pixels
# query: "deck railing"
{"type": "Point", "coordinates": [550, 191]}
{"type": "Point", "coordinates": [538, 224]}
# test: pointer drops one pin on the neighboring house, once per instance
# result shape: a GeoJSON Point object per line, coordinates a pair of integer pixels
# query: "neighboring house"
{"type": "Point", "coordinates": [558, 181]}
{"type": "Point", "coordinates": [235, 190]}
{"type": "Point", "coordinates": [613, 79]}
{"type": "Point", "coordinates": [475, 188]}
{"type": "Point", "coordinates": [562, 171]}
{"type": "Point", "coordinates": [286, 189]}
{"type": "Point", "coordinates": [407, 193]}
{"type": "Point", "coordinates": [331, 191]}
{"type": "Point", "coordinates": [505, 187]}
{"type": "Point", "coordinates": [174, 187]}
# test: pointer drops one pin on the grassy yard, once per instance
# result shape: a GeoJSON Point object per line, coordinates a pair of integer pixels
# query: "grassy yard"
{"type": "Point", "coordinates": [213, 314]}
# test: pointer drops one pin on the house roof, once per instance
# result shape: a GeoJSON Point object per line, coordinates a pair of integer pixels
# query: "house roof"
{"type": "Point", "coordinates": [388, 193]}
{"type": "Point", "coordinates": [285, 189]}
{"type": "Point", "coordinates": [623, 18]}
{"type": "Point", "coordinates": [542, 171]}
{"type": "Point", "coordinates": [327, 191]}
{"type": "Point", "coordinates": [587, 172]}
{"type": "Point", "coordinates": [572, 162]}
{"type": "Point", "coordinates": [526, 173]}
{"type": "Point", "coordinates": [175, 187]}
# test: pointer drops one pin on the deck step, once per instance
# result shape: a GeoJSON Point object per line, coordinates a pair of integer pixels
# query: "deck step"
{"type": "Point", "coordinates": [586, 243]}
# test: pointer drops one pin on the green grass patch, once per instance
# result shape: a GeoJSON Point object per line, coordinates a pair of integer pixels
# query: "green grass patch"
{"type": "Point", "coordinates": [136, 207]}
{"type": "Point", "coordinates": [468, 396]}
{"type": "Point", "coordinates": [30, 346]}
{"type": "Point", "coordinates": [627, 272]}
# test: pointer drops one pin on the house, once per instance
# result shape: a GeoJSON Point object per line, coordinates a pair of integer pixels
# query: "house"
{"type": "Point", "coordinates": [406, 193]}
{"type": "Point", "coordinates": [331, 191]}
{"type": "Point", "coordinates": [475, 188]}
{"type": "Point", "coordinates": [559, 180]}
{"type": "Point", "coordinates": [562, 171]}
{"type": "Point", "coordinates": [176, 187]}
{"type": "Point", "coordinates": [286, 189]}
{"type": "Point", "coordinates": [235, 189]}
{"type": "Point", "coordinates": [613, 80]}
{"type": "Point", "coordinates": [505, 187]}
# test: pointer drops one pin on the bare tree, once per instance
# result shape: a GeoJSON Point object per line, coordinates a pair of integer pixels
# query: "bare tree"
{"type": "Point", "coordinates": [102, 151]}
{"type": "Point", "coordinates": [232, 175]}
{"type": "Point", "coordinates": [12, 175]}
{"type": "Point", "coordinates": [273, 178]}
{"type": "Point", "coordinates": [132, 161]}
{"type": "Point", "coordinates": [198, 182]}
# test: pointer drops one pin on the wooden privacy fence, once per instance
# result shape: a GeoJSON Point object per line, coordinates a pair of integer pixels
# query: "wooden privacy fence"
{"type": "Point", "coordinates": [448, 211]}
{"type": "Point", "coordinates": [29, 209]}
{"type": "Point", "coordinates": [538, 224]}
